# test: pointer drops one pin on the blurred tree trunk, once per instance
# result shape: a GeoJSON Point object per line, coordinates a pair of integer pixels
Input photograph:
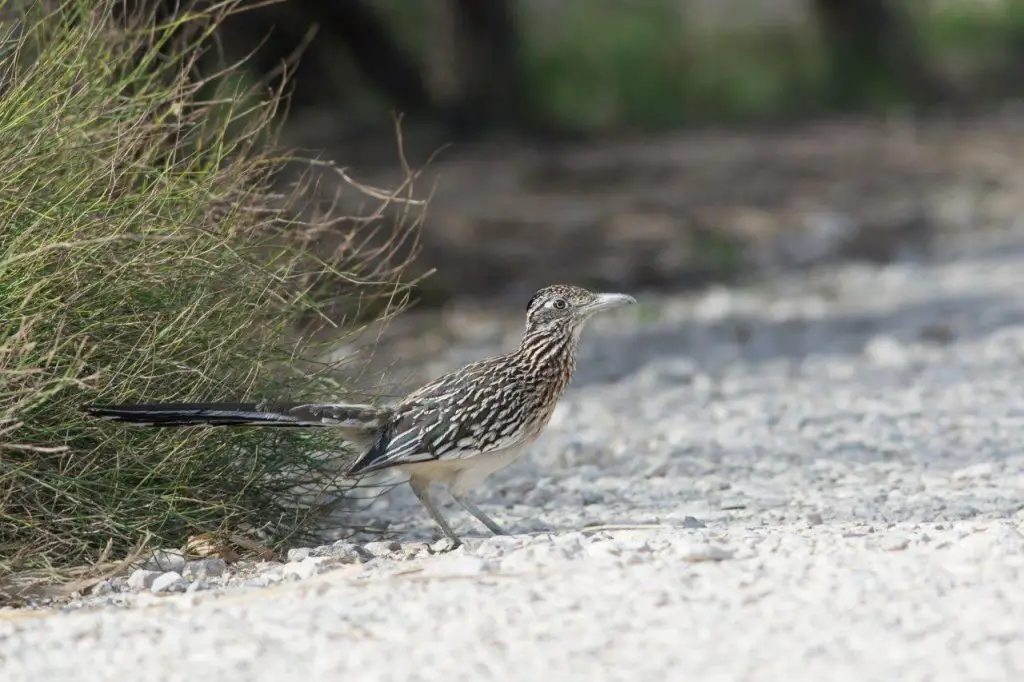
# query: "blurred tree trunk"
{"type": "Point", "coordinates": [270, 36]}
{"type": "Point", "coordinates": [351, 26]}
{"type": "Point", "coordinates": [360, 31]}
{"type": "Point", "coordinates": [475, 63]}
{"type": "Point", "coordinates": [476, 81]}
{"type": "Point", "coordinates": [872, 44]}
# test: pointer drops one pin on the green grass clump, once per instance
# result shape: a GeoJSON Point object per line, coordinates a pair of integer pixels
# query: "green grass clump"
{"type": "Point", "coordinates": [144, 257]}
{"type": "Point", "coordinates": [653, 65]}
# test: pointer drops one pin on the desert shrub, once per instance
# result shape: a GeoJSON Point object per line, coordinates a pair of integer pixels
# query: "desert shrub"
{"type": "Point", "coordinates": [147, 254]}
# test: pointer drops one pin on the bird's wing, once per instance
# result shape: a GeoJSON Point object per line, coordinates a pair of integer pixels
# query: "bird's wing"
{"type": "Point", "coordinates": [450, 418]}
{"type": "Point", "coordinates": [403, 441]}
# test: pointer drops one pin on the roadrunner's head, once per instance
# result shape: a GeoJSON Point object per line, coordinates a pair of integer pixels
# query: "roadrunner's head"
{"type": "Point", "coordinates": [563, 308]}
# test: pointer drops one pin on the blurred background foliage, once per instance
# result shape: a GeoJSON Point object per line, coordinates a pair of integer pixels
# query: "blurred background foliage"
{"type": "Point", "coordinates": [601, 65]}
{"type": "Point", "coordinates": [653, 143]}
{"type": "Point", "coordinates": [644, 143]}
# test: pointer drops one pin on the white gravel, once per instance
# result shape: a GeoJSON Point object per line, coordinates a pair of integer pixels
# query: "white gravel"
{"type": "Point", "coordinates": [817, 479]}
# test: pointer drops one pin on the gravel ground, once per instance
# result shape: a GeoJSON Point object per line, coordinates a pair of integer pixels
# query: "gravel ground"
{"type": "Point", "coordinates": [815, 479]}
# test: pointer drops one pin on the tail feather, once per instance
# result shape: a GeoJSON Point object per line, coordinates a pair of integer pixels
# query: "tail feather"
{"type": "Point", "coordinates": [367, 427]}
{"type": "Point", "coordinates": [366, 418]}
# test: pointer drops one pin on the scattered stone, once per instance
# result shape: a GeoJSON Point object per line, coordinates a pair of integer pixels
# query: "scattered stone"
{"type": "Point", "coordinates": [537, 553]}
{"type": "Point", "coordinates": [204, 568]}
{"type": "Point", "coordinates": [543, 493]}
{"type": "Point", "coordinates": [298, 553]}
{"type": "Point", "coordinates": [311, 566]}
{"type": "Point", "coordinates": [382, 547]}
{"type": "Point", "coordinates": [463, 565]}
{"type": "Point", "coordinates": [102, 589]}
{"type": "Point", "coordinates": [634, 545]}
{"type": "Point", "coordinates": [604, 550]}
{"type": "Point", "coordinates": [519, 486]}
{"type": "Point", "coordinates": [693, 522]}
{"type": "Point", "coordinates": [894, 542]}
{"type": "Point", "coordinates": [715, 304]}
{"type": "Point", "coordinates": [165, 560]}
{"type": "Point", "coordinates": [444, 545]}
{"type": "Point", "coordinates": [342, 551]}
{"type": "Point", "coordinates": [198, 586]}
{"type": "Point", "coordinates": [411, 550]}
{"type": "Point", "coordinates": [142, 579]}
{"type": "Point", "coordinates": [678, 370]}
{"type": "Point", "coordinates": [937, 333]}
{"type": "Point", "coordinates": [572, 541]}
{"type": "Point", "coordinates": [981, 470]}
{"type": "Point", "coordinates": [145, 599]}
{"type": "Point", "coordinates": [171, 581]}
{"type": "Point", "coordinates": [822, 236]}
{"type": "Point", "coordinates": [1006, 539]}
{"type": "Point", "coordinates": [301, 569]}
{"type": "Point", "coordinates": [658, 469]}
{"type": "Point", "coordinates": [498, 546]}
{"type": "Point", "coordinates": [704, 551]}
{"type": "Point", "coordinates": [886, 351]}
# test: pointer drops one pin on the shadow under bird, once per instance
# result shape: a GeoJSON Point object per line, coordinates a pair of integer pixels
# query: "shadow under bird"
{"type": "Point", "coordinates": [456, 430]}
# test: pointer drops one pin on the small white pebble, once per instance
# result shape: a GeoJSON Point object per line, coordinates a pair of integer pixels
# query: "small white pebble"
{"type": "Point", "coordinates": [102, 588]}
{"type": "Point", "coordinates": [464, 565]}
{"type": "Point", "coordinates": [171, 581]}
{"type": "Point", "coordinates": [703, 551]}
{"type": "Point", "coordinates": [382, 548]}
{"type": "Point", "coordinates": [497, 546]}
{"type": "Point", "coordinates": [298, 553]}
{"type": "Point", "coordinates": [894, 542]}
{"type": "Point", "coordinates": [443, 545]}
{"type": "Point", "coordinates": [142, 579]}
{"type": "Point", "coordinates": [982, 470]}
{"type": "Point", "coordinates": [341, 552]}
{"type": "Point", "coordinates": [657, 469]}
{"type": "Point", "coordinates": [886, 351]}
{"type": "Point", "coordinates": [604, 550]}
{"type": "Point", "coordinates": [633, 545]}
{"type": "Point", "coordinates": [302, 570]}
{"type": "Point", "coordinates": [165, 560]}
{"type": "Point", "coordinates": [693, 522]}
{"type": "Point", "coordinates": [204, 568]}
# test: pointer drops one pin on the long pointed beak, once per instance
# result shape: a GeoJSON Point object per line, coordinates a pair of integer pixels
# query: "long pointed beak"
{"type": "Point", "coordinates": [608, 301]}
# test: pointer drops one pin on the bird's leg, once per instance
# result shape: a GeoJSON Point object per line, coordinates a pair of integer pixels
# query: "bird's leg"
{"type": "Point", "coordinates": [419, 488]}
{"type": "Point", "coordinates": [460, 497]}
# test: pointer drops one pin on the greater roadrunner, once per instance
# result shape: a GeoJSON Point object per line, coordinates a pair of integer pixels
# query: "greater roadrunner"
{"type": "Point", "coordinates": [455, 431]}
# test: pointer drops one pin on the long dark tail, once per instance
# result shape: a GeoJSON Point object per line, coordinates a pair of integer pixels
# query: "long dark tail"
{"type": "Point", "coordinates": [359, 418]}
{"type": "Point", "coordinates": [367, 427]}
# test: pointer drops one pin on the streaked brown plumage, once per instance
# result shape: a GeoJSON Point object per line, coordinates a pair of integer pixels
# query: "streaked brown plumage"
{"type": "Point", "coordinates": [456, 430]}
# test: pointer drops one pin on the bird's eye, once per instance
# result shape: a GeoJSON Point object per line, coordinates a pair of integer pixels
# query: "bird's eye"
{"type": "Point", "coordinates": [559, 304]}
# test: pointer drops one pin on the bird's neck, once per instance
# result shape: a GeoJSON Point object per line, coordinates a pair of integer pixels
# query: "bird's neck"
{"type": "Point", "coordinates": [550, 353]}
